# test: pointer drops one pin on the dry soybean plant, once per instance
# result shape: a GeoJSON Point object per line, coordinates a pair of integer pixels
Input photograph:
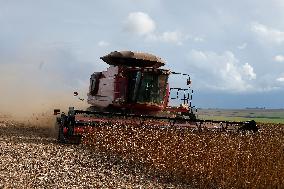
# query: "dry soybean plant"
{"type": "Point", "coordinates": [207, 159]}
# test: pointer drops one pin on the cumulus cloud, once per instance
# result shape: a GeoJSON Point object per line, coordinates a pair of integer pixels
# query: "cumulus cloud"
{"type": "Point", "coordinates": [279, 58]}
{"type": "Point", "coordinates": [267, 33]}
{"type": "Point", "coordinates": [140, 23]}
{"type": "Point", "coordinates": [221, 71]}
{"type": "Point", "coordinates": [248, 71]}
{"type": "Point", "coordinates": [280, 79]}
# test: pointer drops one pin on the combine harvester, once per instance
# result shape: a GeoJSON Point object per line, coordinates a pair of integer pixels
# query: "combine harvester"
{"type": "Point", "coordinates": [134, 91]}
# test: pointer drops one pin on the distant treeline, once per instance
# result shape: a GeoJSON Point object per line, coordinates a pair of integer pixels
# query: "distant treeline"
{"type": "Point", "coordinates": [255, 108]}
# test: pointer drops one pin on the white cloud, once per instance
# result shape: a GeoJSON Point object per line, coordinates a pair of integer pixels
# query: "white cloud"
{"type": "Point", "coordinates": [174, 37]}
{"type": "Point", "coordinates": [268, 34]}
{"type": "Point", "coordinates": [280, 79]}
{"type": "Point", "coordinates": [140, 23]}
{"type": "Point", "coordinates": [279, 3]}
{"type": "Point", "coordinates": [171, 37]}
{"type": "Point", "coordinates": [221, 71]}
{"type": "Point", "coordinates": [103, 43]}
{"type": "Point", "coordinates": [198, 39]}
{"type": "Point", "coordinates": [248, 71]}
{"type": "Point", "coordinates": [279, 58]}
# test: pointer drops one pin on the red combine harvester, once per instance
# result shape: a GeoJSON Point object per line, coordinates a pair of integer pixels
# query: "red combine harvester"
{"type": "Point", "coordinates": [135, 91]}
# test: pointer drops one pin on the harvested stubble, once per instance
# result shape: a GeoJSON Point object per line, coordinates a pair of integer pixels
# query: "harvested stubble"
{"type": "Point", "coordinates": [202, 160]}
{"type": "Point", "coordinates": [31, 158]}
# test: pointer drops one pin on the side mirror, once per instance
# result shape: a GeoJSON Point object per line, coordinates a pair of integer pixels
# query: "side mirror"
{"type": "Point", "coordinates": [188, 81]}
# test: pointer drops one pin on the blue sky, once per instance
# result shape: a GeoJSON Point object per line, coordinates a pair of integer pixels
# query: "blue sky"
{"type": "Point", "coordinates": [232, 49]}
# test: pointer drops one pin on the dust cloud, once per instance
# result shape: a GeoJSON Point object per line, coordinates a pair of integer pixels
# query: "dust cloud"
{"type": "Point", "coordinates": [34, 84]}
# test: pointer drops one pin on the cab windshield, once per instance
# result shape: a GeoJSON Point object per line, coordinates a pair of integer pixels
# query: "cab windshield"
{"type": "Point", "coordinates": [147, 88]}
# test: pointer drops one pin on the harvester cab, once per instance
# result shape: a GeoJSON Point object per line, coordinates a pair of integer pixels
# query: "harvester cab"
{"type": "Point", "coordinates": [134, 83]}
